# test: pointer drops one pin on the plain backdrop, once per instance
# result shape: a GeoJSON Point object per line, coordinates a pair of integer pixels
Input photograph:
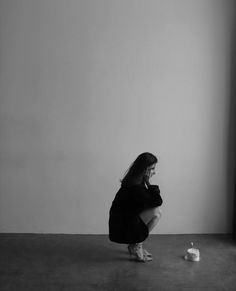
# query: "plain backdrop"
{"type": "Point", "coordinates": [86, 86]}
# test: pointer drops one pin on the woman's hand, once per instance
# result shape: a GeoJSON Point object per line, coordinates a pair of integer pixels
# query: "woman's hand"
{"type": "Point", "coordinates": [146, 180]}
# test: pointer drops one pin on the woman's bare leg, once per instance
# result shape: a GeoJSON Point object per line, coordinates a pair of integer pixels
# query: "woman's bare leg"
{"type": "Point", "coordinates": [151, 217]}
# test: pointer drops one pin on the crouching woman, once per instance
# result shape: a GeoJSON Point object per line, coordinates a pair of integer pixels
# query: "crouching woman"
{"type": "Point", "coordinates": [135, 210]}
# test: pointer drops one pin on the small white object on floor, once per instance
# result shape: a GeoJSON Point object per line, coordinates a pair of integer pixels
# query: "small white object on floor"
{"type": "Point", "coordinates": [192, 254]}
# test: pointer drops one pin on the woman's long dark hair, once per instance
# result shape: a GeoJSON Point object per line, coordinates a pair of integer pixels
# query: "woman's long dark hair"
{"type": "Point", "coordinates": [138, 168]}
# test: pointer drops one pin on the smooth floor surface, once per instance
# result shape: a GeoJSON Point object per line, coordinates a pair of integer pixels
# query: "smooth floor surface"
{"type": "Point", "coordinates": [91, 262]}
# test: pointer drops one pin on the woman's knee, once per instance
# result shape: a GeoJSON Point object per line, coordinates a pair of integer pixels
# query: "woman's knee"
{"type": "Point", "coordinates": [158, 212]}
{"type": "Point", "coordinates": [150, 214]}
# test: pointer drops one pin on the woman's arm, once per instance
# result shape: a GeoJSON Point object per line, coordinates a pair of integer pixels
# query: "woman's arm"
{"type": "Point", "coordinates": [146, 198]}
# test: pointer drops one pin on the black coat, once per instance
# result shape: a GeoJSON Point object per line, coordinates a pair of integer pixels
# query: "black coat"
{"type": "Point", "coordinates": [125, 224]}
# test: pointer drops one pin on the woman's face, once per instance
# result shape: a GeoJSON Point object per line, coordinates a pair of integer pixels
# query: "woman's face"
{"type": "Point", "coordinates": [150, 171]}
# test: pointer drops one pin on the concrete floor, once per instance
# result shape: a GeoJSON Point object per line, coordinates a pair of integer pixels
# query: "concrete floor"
{"type": "Point", "coordinates": [92, 262]}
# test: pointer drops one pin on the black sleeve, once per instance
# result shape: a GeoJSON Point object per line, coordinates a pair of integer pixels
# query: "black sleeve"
{"type": "Point", "coordinates": [156, 199]}
{"type": "Point", "coordinates": [145, 198]}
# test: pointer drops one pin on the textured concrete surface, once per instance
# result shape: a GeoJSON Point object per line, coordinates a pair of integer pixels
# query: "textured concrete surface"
{"type": "Point", "coordinates": [91, 262]}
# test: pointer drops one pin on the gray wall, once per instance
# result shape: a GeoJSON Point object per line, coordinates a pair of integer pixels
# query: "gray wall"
{"type": "Point", "coordinates": [88, 85]}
